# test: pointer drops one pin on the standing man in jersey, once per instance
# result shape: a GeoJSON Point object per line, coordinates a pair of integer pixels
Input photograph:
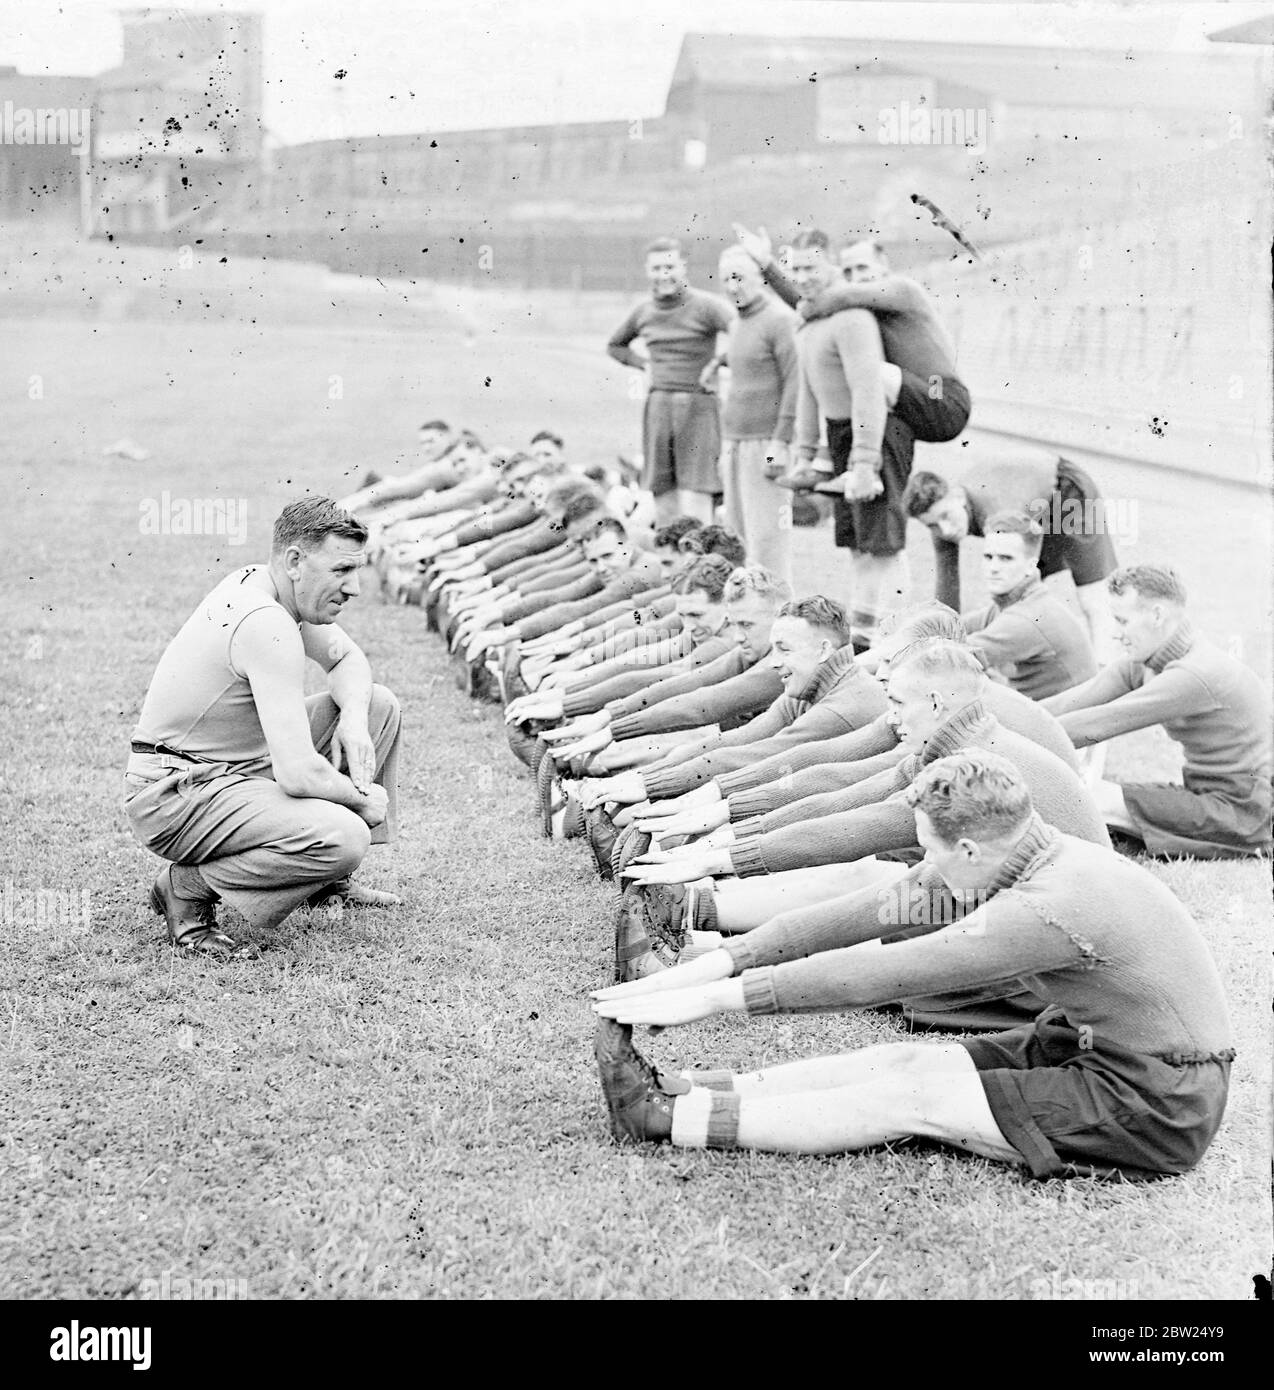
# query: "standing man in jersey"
{"type": "Point", "coordinates": [681, 426]}
{"type": "Point", "coordinates": [235, 774]}
{"type": "Point", "coordinates": [760, 414]}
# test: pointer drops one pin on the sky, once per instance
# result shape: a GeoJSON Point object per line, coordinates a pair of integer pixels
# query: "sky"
{"type": "Point", "coordinates": [453, 64]}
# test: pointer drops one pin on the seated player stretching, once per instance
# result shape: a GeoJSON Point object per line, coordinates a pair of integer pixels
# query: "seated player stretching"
{"type": "Point", "coordinates": [1213, 705]}
{"type": "Point", "coordinates": [1125, 1071]}
{"type": "Point", "coordinates": [1026, 634]}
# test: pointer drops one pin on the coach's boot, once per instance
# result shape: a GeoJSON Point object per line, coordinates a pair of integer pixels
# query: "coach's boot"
{"type": "Point", "coordinates": [639, 1097]}
{"type": "Point", "coordinates": [346, 893]}
{"type": "Point", "coordinates": [186, 903]}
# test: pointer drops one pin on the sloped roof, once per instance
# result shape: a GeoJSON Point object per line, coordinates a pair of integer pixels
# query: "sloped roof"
{"type": "Point", "coordinates": [1254, 31]}
{"type": "Point", "coordinates": [752, 60]}
{"type": "Point", "coordinates": [1018, 74]}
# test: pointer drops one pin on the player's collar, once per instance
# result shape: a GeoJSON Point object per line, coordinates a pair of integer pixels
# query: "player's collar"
{"type": "Point", "coordinates": [1038, 842]}
{"type": "Point", "coordinates": [965, 726]}
{"type": "Point", "coordinates": [829, 673]}
{"type": "Point", "coordinates": [1017, 592]}
{"type": "Point", "coordinates": [1173, 649]}
{"type": "Point", "coordinates": [671, 301]}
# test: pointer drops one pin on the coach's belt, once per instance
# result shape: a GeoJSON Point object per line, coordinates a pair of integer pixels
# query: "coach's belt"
{"type": "Point", "coordinates": [165, 751]}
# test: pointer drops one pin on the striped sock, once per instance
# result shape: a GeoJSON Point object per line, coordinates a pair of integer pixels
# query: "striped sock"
{"type": "Point", "coordinates": [711, 1080]}
{"type": "Point", "coordinates": [705, 1119]}
{"type": "Point", "coordinates": [703, 916]}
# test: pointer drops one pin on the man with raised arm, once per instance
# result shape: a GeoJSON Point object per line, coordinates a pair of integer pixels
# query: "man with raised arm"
{"type": "Point", "coordinates": [1125, 1071]}
{"type": "Point", "coordinates": [919, 376]}
{"type": "Point", "coordinates": [841, 360]}
{"type": "Point", "coordinates": [235, 774]}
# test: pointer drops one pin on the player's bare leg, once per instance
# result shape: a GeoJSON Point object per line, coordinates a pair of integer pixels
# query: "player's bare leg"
{"type": "Point", "coordinates": [824, 1105]}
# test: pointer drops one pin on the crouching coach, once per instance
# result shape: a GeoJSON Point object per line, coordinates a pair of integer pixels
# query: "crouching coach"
{"type": "Point", "coordinates": [255, 793]}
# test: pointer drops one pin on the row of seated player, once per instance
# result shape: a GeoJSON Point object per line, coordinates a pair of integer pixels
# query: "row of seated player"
{"type": "Point", "coordinates": [809, 802]}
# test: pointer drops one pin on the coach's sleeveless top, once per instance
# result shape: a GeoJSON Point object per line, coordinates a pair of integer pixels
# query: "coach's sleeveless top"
{"type": "Point", "coordinates": [196, 702]}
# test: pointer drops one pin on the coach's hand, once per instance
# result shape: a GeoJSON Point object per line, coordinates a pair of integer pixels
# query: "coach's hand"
{"type": "Point", "coordinates": [776, 456]}
{"type": "Point", "coordinates": [376, 806]}
{"type": "Point", "coordinates": [352, 744]}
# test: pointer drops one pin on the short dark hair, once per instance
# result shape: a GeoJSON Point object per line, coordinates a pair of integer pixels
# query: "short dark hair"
{"type": "Point", "coordinates": [720, 540]}
{"type": "Point", "coordinates": [663, 243]}
{"type": "Point", "coordinates": [679, 526]}
{"type": "Point", "coordinates": [974, 793]}
{"type": "Point", "coordinates": [708, 573]}
{"type": "Point", "coordinates": [436, 425]}
{"type": "Point", "coordinates": [308, 522]}
{"type": "Point", "coordinates": [812, 240]}
{"type": "Point", "coordinates": [573, 500]}
{"type": "Point", "coordinates": [821, 612]}
{"type": "Point", "coordinates": [549, 436]}
{"type": "Point", "coordinates": [1017, 524]}
{"type": "Point", "coordinates": [1150, 581]}
{"type": "Point", "coordinates": [607, 526]}
{"type": "Point", "coordinates": [870, 241]}
{"type": "Point", "coordinates": [925, 490]}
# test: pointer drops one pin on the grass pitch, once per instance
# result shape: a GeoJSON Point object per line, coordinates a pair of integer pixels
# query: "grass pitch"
{"type": "Point", "coordinates": [403, 1104]}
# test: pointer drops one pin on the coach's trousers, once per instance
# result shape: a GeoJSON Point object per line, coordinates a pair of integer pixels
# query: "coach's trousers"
{"type": "Point", "coordinates": [261, 850]}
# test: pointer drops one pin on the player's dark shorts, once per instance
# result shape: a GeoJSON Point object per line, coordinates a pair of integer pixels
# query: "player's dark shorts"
{"type": "Point", "coordinates": [935, 409]}
{"type": "Point", "coordinates": [1075, 531]}
{"type": "Point", "coordinates": [1076, 1105]}
{"type": "Point", "coordinates": [1178, 822]}
{"type": "Point", "coordinates": [681, 442]}
{"type": "Point", "coordinates": [878, 527]}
